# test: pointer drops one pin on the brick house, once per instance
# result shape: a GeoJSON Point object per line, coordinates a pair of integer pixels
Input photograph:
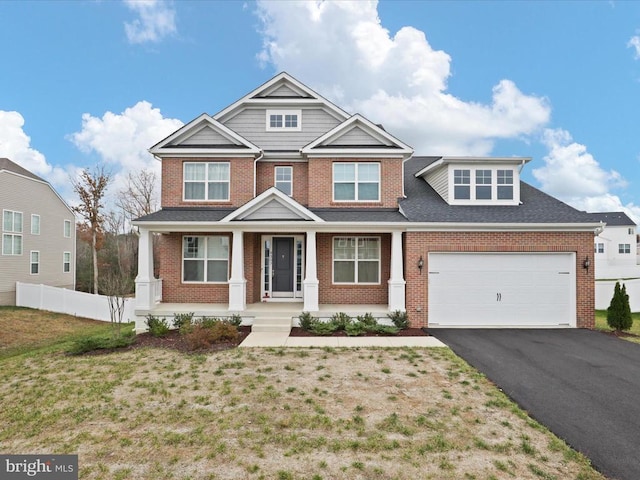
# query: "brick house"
{"type": "Point", "coordinates": [284, 202]}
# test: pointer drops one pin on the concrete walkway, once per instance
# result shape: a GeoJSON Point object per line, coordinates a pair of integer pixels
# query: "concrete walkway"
{"type": "Point", "coordinates": [282, 339]}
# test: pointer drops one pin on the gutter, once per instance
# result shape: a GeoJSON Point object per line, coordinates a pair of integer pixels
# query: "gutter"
{"type": "Point", "coordinates": [255, 172]}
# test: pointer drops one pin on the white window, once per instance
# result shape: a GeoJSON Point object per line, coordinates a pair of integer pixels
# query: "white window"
{"type": "Point", "coordinates": [11, 232]}
{"type": "Point", "coordinates": [66, 262]}
{"type": "Point", "coordinates": [35, 262]}
{"type": "Point", "coordinates": [624, 248]}
{"type": "Point", "coordinates": [462, 184]}
{"type": "Point", "coordinates": [67, 228]}
{"type": "Point", "coordinates": [205, 259]}
{"type": "Point", "coordinates": [505, 184]}
{"type": "Point", "coordinates": [35, 224]}
{"type": "Point", "coordinates": [356, 260]}
{"type": "Point", "coordinates": [632, 231]}
{"type": "Point", "coordinates": [482, 184]}
{"type": "Point", "coordinates": [284, 120]}
{"type": "Point", "coordinates": [356, 182]}
{"type": "Point", "coordinates": [206, 181]}
{"type": "Point", "coordinates": [599, 248]}
{"type": "Point", "coordinates": [284, 179]}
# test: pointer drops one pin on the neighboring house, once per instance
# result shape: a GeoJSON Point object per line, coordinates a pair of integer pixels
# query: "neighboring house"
{"type": "Point", "coordinates": [38, 233]}
{"type": "Point", "coordinates": [615, 247]}
{"type": "Point", "coordinates": [285, 198]}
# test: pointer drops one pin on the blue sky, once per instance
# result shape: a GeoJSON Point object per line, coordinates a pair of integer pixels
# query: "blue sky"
{"type": "Point", "coordinates": [102, 81]}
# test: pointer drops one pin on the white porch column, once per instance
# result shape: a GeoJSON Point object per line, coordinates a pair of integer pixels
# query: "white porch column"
{"type": "Point", "coordinates": [145, 282]}
{"type": "Point", "coordinates": [310, 282]}
{"type": "Point", "coordinates": [237, 282]}
{"type": "Point", "coordinates": [396, 281]}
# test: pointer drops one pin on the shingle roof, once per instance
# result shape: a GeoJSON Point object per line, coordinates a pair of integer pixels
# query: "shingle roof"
{"type": "Point", "coordinates": [614, 219]}
{"type": "Point", "coordinates": [180, 214]}
{"type": "Point", "coordinates": [423, 204]}
{"type": "Point", "coordinates": [355, 215]}
{"type": "Point", "coordinates": [8, 165]}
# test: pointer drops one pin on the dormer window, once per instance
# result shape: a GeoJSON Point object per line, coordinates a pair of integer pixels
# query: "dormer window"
{"type": "Point", "coordinates": [462, 184]}
{"type": "Point", "coordinates": [284, 120]}
{"type": "Point", "coordinates": [482, 184]}
{"type": "Point", "coordinates": [505, 184]}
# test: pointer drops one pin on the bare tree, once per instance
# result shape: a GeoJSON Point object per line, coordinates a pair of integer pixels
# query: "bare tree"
{"type": "Point", "coordinates": [91, 187]}
{"type": "Point", "coordinates": [139, 198]}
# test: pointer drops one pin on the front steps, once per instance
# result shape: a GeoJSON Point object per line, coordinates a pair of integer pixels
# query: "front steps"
{"type": "Point", "coordinates": [280, 324]}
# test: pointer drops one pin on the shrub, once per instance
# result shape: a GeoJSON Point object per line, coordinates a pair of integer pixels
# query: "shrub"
{"type": "Point", "coordinates": [158, 326]}
{"type": "Point", "coordinates": [90, 344]}
{"type": "Point", "coordinates": [385, 329]}
{"type": "Point", "coordinates": [307, 320]}
{"type": "Point", "coordinates": [400, 319]}
{"type": "Point", "coordinates": [619, 312]}
{"type": "Point", "coordinates": [341, 320]}
{"type": "Point", "coordinates": [205, 334]}
{"type": "Point", "coordinates": [182, 320]}
{"type": "Point", "coordinates": [355, 329]}
{"type": "Point", "coordinates": [367, 320]}
{"type": "Point", "coordinates": [324, 328]}
{"type": "Point", "coordinates": [235, 320]}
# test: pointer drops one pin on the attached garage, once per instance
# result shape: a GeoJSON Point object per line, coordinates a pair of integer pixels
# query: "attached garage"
{"type": "Point", "coordinates": [502, 290]}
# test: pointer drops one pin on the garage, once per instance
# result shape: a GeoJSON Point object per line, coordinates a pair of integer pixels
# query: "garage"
{"type": "Point", "coordinates": [508, 290]}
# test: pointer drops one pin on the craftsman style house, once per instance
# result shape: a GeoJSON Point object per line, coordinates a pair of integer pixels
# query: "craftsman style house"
{"type": "Point", "coordinates": [38, 233]}
{"type": "Point", "coordinates": [284, 198]}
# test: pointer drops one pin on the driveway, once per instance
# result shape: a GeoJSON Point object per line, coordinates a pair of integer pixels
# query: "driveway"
{"type": "Point", "coordinates": [583, 385]}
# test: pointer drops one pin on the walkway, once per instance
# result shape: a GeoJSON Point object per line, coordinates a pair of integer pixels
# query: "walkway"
{"type": "Point", "coordinates": [280, 339]}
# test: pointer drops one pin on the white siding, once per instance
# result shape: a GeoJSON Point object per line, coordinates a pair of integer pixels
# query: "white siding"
{"type": "Point", "coordinates": [357, 136]}
{"type": "Point", "coordinates": [439, 181]}
{"type": "Point", "coordinates": [273, 210]}
{"type": "Point", "coordinates": [283, 91]}
{"type": "Point", "coordinates": [206, 136]}
{"type": "Point", "coordinates": [33, 197]}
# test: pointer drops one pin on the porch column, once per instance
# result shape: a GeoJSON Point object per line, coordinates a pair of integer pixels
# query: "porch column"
{"type": "Point", "coordinates": [237, 282]}
{"type": "Point", "coordinates": [396, 281]}
{"type": "Point", "coordinates": [145, 282]}
{"type": "Point", "coordinates": [310, 282]}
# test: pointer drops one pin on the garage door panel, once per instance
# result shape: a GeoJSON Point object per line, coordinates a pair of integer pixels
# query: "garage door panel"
{"type": "Point", "coordinates": [508, 290]}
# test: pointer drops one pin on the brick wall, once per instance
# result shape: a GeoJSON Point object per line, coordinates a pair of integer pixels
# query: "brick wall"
{"type": "Point", "coordinates": [266, 179]}
{"type": "Point", "coordinates": [421, 243]}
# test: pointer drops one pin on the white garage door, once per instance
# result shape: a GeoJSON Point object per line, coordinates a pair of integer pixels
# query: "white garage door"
{"type": "Point", "coordinates": [502, 290]}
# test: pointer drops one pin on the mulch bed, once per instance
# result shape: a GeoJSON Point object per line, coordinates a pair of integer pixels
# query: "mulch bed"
{"type": "Point", "coordinates": [407, 332]}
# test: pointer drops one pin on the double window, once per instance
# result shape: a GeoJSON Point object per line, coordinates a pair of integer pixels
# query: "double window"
{"type": "Point", "coordinates": [487, 184]}
{"type": "Point", "coordinates": [356, 182]}
{"type": "Point", "coordinates": [206, 181]}
{"type": "Point", "coordinates": [356, 260]}
{"type": "Point", "coordinates": [284, 120]}
{"type": "Point", "coordinates": [624, 248]}
{"type": "Point", "coordinates": [284, 179]}
{"type": "Point", "coordinates": [11, 232]}
{"type": "Point", "coordinates": [205, 259]}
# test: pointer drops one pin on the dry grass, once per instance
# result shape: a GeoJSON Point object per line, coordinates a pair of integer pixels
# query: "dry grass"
{"type": "Point", "coordinates": [275, 414]}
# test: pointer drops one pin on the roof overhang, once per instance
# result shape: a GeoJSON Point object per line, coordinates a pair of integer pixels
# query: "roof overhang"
{"type": "Point", "coordinates": [469, 160]}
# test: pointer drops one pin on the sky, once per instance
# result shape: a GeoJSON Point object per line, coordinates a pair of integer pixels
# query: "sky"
{"type": "Point", "coordinates": [99, 82]}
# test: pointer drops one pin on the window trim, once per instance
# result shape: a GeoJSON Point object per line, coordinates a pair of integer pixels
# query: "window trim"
{"type": "Point", "coordinates": [496, 184]}
{"type": "Point", "coordinates": [64, 229]}
{"type": "Point", "coordinates": [13, 233]}
{"type": "Point", "coordinates": [32, 263]}
{"type": "Point", "coordinates": [275, 178]}
{"type": "Point", "coordinates": [355, 260]}
{"type": "Point", "coordinates": [65, 262]}
{"type": "Point", "coordinates": [35, 215]}
{"type": "Point", "coordinates": [206, 183]}
{"type": "Point", "coordinates": [283, 113]}
{"type": "Point", "coordinates": [599, 247]}
{"type": "Point", "coordinates": [356, 182]}
{"type": "Point", "coordinates": [204, 259]}
{"type": "Point", "coordinates": [624, 248]}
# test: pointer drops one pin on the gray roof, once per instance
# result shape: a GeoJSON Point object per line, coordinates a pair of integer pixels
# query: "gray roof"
{"type": "Point", "coordinates": [8, 165]}
{"type": "Point", "coordinates": [180, 214]}
{"type": "Point", "coordinates": [423, 204]}
{"type": "Point", "coordinates": [613, 219]}
{"type": "Point", "coordinates": [359, 214]}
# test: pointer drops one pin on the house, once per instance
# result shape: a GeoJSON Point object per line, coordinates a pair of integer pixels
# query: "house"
{"type": "Point", "coordinates": [615, 247]}
{"type": "Point", "coordinates": [283, 202]}
{"type": "Point", "coordinates": [38, 233]}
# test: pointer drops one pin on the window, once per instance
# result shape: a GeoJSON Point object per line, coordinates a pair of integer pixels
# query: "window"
{"type": "Point", "coordinates": [505, 184]}
{"type": "Point", "coordinates": [359, 182]}
{"type": "Point", "coordinates": [205, 259]}
{"type": "Point", "coordinates": [461, 184]}
{"type": "Point", "coordinates": [599, 248]}
{"type": "Point", "coordinates": [356, 260]}
{"type": "Point", "coordinates": [67, 228]}
{"type": "Point", "coordinates": [11, 232]}
{"type": "Point", "coordinates": [66, 262]}
{"type": "Point", "coordinates": [206, 181]}
{"type": "Point", "coordinates": [35, 262]}
{"type": "Point", "coordinates": [35, 224]}
{"type": "Point", "coordinates": [284, 179]}
{"type": "Point", "coordinates": [632, 231]}
{"type": "Point", "coordinates": [483, 184]}
{"type": "Point", "coordinates": [624, 248]}
{"type": "Point", "coordinates": [284, 120]}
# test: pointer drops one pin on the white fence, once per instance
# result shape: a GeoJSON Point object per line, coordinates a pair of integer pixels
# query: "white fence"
{"type": "Point", "coordinates": [61, 300]}
{"type": "Point", "coordinates": [604, 293]}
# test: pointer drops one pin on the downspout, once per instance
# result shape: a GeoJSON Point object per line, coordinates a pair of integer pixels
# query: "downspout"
{"type": "Point", "coordinates": [255, 172]}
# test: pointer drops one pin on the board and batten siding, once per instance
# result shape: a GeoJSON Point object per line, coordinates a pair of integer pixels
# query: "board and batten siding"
{"type": "Point", "coordinates": [30, 197]}
{"type": "Point", "coordinates": [251, 124]}
{"type": "Point", "coordinates": [439, 181]}
{"type": "Point", "coordinates": [357, 136]}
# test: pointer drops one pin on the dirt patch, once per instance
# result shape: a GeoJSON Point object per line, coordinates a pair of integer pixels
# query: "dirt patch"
{"type": "Point", "coordinates": [175, 341]}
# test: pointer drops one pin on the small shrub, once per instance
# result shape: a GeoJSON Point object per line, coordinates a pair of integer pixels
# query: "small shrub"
{"type": "Point", "coordinates": [90, 344]}
{"type": "Point", "coordinates": [619, 312]}
{"type": "Point", "coordinates": [307, 320]}
{"type": "Point", "coordinates": [235, 320]}
{"type": "Point", "coordinates": [385, 329]}
{"type": "Point", "coordinates": [341, 320]}
{"type": "Point", "coordinates": [158, 326]}
{"type": "Point", "coordinates": [367, 320]}
{"type": "Point", "coordinates": [208, 332]}
{"type": "Point", "coordinates": [182, 320]}
{"type": "Point", "coordinates": [324, 328]}
{"type": "Point", "coordinates": [355, 329]}
{"type": "Point", "coordinates": [223, 331]}
{"type": "Point", "coordinates": [400, 319]}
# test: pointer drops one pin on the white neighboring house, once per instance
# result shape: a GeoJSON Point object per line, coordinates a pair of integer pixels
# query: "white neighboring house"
{"type": "Point", "coordinates": [615, 248]}
{"type": "Point", "coordinates": [38, 233]}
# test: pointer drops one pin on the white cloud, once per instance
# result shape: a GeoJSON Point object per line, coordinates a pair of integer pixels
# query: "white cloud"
{"type": "Point", "coordinates": [157, 19]}
{"type": "Point", "coordinates": [634, 43]}
{"type": "Point", "coordinates": [342, 50]}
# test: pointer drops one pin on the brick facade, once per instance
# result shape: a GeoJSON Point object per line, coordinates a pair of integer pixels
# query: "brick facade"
{"type": "Point", "coordinates": [266, 179]}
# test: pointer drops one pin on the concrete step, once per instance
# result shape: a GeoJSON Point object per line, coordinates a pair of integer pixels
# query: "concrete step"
{"type": "Point", "coordinates": [271, 324]}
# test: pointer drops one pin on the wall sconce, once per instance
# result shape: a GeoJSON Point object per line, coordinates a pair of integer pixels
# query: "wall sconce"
{"type": "Point", "coordinates": [420, 264]}
{"type": "Point", "coordinates": [586, 263]}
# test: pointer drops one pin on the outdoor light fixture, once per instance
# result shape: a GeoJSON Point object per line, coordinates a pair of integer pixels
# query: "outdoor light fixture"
{"type": "Point", "coordinates": [420, 264]}
{"type": "Point", "coordinates": [586, 263]}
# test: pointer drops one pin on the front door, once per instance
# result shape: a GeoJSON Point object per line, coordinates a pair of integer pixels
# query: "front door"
{"type": "Point", "coordinates": [282, 267]}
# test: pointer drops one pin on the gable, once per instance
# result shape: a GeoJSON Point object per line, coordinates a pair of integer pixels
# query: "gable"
{"type": "Point", "coordinates": [206, 136]}
{"type": "Point", "coordinates": [283, 90]}
{"type": "Point", "coordinates": [357, 136]}
{"type": "Point", "coordinates": [272, 205]}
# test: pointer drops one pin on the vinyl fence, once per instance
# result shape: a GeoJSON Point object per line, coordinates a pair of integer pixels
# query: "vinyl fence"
{"type": "Point", "coordinates": [604, 293]}
{"type": "Point", "coordinates": [61, 300]}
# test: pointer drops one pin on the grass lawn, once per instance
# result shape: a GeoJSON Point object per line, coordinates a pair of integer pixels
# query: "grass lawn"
{"type": "Point", "coordinates": [273, 414]}
{"type": "Point", "coordinates": [601, 324]}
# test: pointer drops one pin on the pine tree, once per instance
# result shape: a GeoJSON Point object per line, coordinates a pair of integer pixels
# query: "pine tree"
{"type": "Point", "coordinates": [619, 311]}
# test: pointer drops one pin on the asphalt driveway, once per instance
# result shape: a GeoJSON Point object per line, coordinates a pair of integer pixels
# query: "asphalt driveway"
{"type": "Point", "coordinates": [583, 385]}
